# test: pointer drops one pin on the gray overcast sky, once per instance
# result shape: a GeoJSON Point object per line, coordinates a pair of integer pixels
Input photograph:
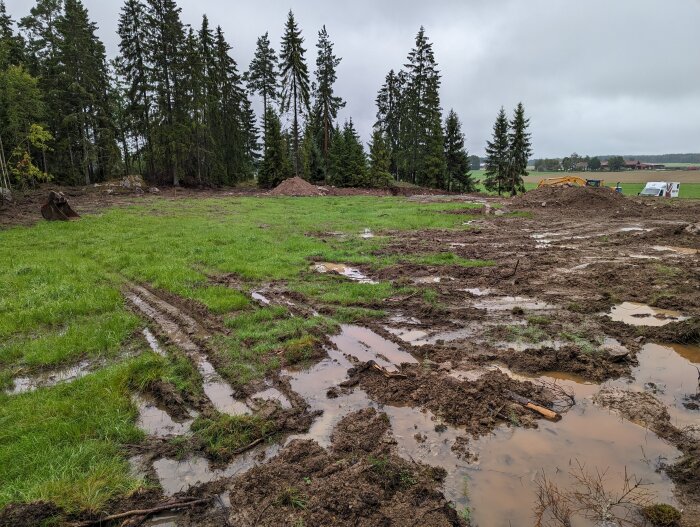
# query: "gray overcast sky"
{"type": "Point", "coordinates": [596, 76]}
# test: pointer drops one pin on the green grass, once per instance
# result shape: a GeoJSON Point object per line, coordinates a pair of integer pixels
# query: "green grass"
{"type": "Point", "coordinates": [62, 443]}
{"type": "Point", "coordinates": [222, 436]}
{"type": "Point", "coordinates": [61, 302]}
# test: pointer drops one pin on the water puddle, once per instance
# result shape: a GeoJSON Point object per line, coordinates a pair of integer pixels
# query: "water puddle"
{"type": "Point", "coordinates": [669, 373]}
{"type": "Point", "coordinates": [153, 342]}
{"type": "Point", "coordinates": [156, 422]}
{"type": "Point", "coordinates": [682, 251]}
{"type": "Point", "coordinates": [507, 303]}
{"type": "Point", "coordinates": [260, 298]}
{"type": "Point", "coordinates": [475, 291]}
{"type": "Point", "coordinates": [364, 345]}
{"type": "Point", "coordinates": [419, 337]}
{"type": "Point", "coordinates": [343, 270]}
{"type": "Point", "coordinates": [427, 280]}
{"type": "Point", "coordinates": [637, 314]}
{"type": "Point", "coordinates": [403, 319]}
{"type": "Point", "coordinates": [271, 394]}
{"type": "Point", "coordinates": [46, 380]}
{"type": "Point", "coordinates": [366, 234]}
{"type": "Point", "coordinates": [520, 345]}
{"type": "Point", "coordinates": [635, 228]}
{"type": "Point", "coordinates": [162, 520]}
{"type": "Point", "coordinates": [178, 476]}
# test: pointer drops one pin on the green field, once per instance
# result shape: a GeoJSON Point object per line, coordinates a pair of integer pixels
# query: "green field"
{"type": "Point", "coordinates": [60, 303]}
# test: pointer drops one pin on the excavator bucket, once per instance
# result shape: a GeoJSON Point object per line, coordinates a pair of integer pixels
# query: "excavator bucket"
{"type": "Point", "coordinates": [57, 208]}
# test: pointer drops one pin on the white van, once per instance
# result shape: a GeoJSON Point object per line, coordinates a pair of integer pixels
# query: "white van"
{"type": "Point", "coordinates": [661, 189]}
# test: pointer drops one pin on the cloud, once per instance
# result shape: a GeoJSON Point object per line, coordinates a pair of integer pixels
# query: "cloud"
{"type": "Point", "coordinates": [596, 76]}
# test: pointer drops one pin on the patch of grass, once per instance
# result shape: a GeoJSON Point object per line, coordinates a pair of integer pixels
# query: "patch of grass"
{"type": "Point", "coordinates": [389, 474]}
{"type": "Point", "coordinates": [292, 497]}
{"type": "Point", "coordinates": [662, 515]}
{"type": "Point", "coordinates": [220, 299]}
{"type": "Point", "coordinates": [62, 444]}
{"type": "Point", "coordinates": [582, 342]}
{"type": "Point", "coordinates": [349, 315]}
{"type": "Point", "coordinates": [99, 335]}
{"type": "Point", "coordinates": [259, 338]}
{"type": "Point", "coordinates": [223, 436]}
{"type": "Point", "coordinates": [532, 334]}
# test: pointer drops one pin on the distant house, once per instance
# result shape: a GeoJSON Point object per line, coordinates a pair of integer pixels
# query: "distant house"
{"type": "Point", "coordinates": [652, 166]}
{"type": "Point", "coordinates": [631, 164]}
{"type": "Point", "coordinates": [581, 166]}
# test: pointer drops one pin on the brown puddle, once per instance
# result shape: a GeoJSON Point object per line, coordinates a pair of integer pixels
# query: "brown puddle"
{"type": "Point", "coordinates": [364, 344]}
{"type": "Point", "coordinates": [46, 380]}
{"type": "Point", "coordinates": [506, 303]}
{"type": "Point", "coordinates": [156, 422]}
{"type": "Point", "coordinates": [343, 270]}
{"type": "Point", "coordinates": [669, 373]}
{"type": "Point", "coordinates": [419, 337]}
{"type": "Point", "coordinates": [637, 314]}
{"type": "Point", "coordinates": [270, 394]}
{"type": "Point", "coordinates": [180, 475]}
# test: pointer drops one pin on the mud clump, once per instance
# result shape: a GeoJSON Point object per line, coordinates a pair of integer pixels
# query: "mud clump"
{"type": "Point", "coordinates": [296, 187]}
{"type": "Point", "coordinates": [479, 406]}
{"type": "Point", "coordinates": [358, 482]}
{"type": "Point", "coordinates": [569, 359]}
{"type": "Point", "coordinates": [581, 198]}
{"type": "Point", "coordinates": [29, 514]}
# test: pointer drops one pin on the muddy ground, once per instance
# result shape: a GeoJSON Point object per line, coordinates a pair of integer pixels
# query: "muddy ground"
{"type": "Point", "coordinates": [584, 284]}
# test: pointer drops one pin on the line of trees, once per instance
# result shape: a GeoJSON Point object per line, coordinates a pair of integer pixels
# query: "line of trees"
{"type": "Point", "coordinates": [175, 107]}
{"type": "Point", "coordinates": [575, 162]}
{"type": "Point", "coordinates": [507, 153]}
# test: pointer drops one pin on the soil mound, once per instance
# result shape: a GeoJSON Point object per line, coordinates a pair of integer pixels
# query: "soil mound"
{"type": "Point", "coordinates": [586, 198]}
{"type": "Point", "coordinates": [296, 187]}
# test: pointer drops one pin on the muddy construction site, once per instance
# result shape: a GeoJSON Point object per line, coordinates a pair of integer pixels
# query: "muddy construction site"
{"type": "Point", "coordinates": [555, 381]}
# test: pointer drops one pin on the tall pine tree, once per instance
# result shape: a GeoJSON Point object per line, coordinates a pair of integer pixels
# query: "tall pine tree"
{"type": "Point", "coordinates": [379, 160]}
{"type": "Point", "coordinates": [327, 103]}
{"type": "Point", "coordinates": [295, 83]}
{"type": "Point", "coordinates": [165, 41]}
{"type": "Point", "coordinates": [520, 151]}
{"type": "Point", "coordinates": [262, 74]}
{"type": "Point", "coordinates": [498, 155]}
{"type": "Point", "coordinates": [389, 116]}
{"type": "Point", "coordinates": [456, 156]}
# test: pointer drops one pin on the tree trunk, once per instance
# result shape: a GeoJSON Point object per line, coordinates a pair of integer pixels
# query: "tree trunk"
{"type": "Point", "coordinates": [296, 134]}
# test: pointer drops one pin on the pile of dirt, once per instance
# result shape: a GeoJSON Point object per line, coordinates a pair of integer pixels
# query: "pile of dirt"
{"type": "Point", "coordinates": [360, 481]}
{"type": "Point", "coordinates": [582, 198]}
{"type": "Point", "coordinates": [296, 187]}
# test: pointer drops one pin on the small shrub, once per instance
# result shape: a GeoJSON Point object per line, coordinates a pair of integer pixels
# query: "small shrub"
{"type": "Point", "coordinates": [292, 497]}
{"type": "Point", "coordinates": [662, 515]}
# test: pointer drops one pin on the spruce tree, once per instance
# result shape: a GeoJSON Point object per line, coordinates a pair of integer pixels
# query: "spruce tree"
{"type": "Point", "coordinates": [86, 131]}
{"type": "Point", "coordinates": [134, 67]}
{"type": "Point", "coordinates": [498, 155]}
{"type": "Point", "coordinates": [11, 45]}
{"type": "Point", "coordinates": [379, 160]}
{"type": "Point", "coordinates": [295, 83]}
{"type": "Point", "coordinates": [456, 156]}
{"type": "Point", "coordinates": [421, 117]}
{"type": "Point", "coordinates": [165, 41]}
{"type": "Point", "coordinates": [520, 151]}
{"type": "Point", "coordinates": [327, 103]}
{"type": "Point", "coordinates": [275, 166]}
{"type": "Point", "coordinates": [262, 73]}
{"type": "Point", "coordinates": [389, 116]}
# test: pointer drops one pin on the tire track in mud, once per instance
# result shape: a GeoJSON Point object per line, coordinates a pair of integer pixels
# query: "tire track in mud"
{"type": "Point", "coordinates": [182, 330]}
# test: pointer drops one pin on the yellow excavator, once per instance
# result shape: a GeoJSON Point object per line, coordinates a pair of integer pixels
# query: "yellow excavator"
{"type": "Point", "coordinates": [570, 181]}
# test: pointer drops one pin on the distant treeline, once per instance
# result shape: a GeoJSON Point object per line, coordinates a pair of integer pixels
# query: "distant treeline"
{"type": "Point", "coordinates": [661, 158]}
